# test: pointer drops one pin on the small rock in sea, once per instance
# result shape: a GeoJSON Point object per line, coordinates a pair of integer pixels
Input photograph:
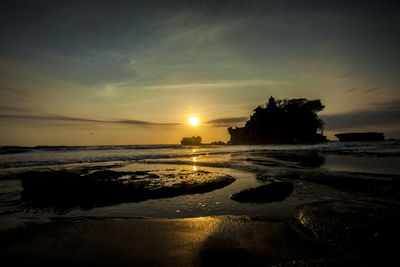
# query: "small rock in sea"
{"type": "Point", "coordinates": [140, 172]}
{"type": "Point", "coordinates": [276, 191]}
{"type": "Point", "coordinates": [152, 175]}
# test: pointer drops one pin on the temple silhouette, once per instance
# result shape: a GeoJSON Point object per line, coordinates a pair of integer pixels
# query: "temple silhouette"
{"type": "Point", "coordinates": [282, 121]}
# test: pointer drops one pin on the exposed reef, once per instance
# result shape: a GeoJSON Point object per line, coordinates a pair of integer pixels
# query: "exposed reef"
{"type": "Point", "coordinates": [360, 136]}
{"type": "Point", "coordinates": [276, 191]}
{"type": "Point", "coordinates": [64, 190]}
{"type": "Point", "coordinates": [282, 121]}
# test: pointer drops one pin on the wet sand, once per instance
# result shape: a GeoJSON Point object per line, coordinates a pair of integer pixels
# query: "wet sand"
{"type": "Point", "coordinates": [202, 241]}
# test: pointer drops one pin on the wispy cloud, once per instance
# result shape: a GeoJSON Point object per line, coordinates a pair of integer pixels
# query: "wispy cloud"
{"type": "Point", "coordinates": [391, 104]}
{"type": "Point", "coordinates": [220, 122]}
{"type": "Point", "coordinates": [111, 89]}
{"type": "Point", "coordinates": [239, 83]}
{"type": "Point", "coordinates": [363, 90]}
{"type": "Point", "coordinates": [12, 109]}
{"type": "Point", "coordinates": [226, 122]}
{"type": "Point", "coordinates": [13, 95]}
{"type": "Point", "coordinates": [14, 100]}
{"type": "Point", "coordinates": [352, 90]}
{"type": "Point", "coordinates": [85, 120]}
{"type": "Point", "coordinates": [373, 89]}
{"type": "Point", "coordinates": [361, 119]}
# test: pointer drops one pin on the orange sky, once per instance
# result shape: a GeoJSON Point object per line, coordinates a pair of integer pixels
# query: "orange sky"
{"type": "Point", "coordinates": [124, 72]}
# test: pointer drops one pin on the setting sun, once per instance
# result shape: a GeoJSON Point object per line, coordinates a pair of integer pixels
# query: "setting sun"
{"type": "Point", "coordinates": [194, 121]}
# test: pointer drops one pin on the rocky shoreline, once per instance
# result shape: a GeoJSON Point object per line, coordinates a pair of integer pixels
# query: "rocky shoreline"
{"type": "Point", "coordinates": [262, 208]}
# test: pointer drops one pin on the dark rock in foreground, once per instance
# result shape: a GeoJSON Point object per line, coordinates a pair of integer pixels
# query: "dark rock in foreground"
{"type": "Point", "coordinates": [276, 191]}
{"type": "Point", "coordinates": [64, 190]}
{"type": "Point", "coordinates": [368, 230]}
{"type": "Point", "coordinates": [360, 137]}
{"type": "Point", "coordinates": [383, 186]}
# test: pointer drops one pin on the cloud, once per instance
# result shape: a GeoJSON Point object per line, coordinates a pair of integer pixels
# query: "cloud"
{"type": "Point", "coordinates": [370, 90]}
{"type": "Point", "coordinates": [227, 122]}
{"type": "Point", "coordinates": [11, 109]}
{"type": "Point", "coordinates": [362, 90]}
{"type": "Point", "coordinates": [63, 119]}
{"type": "Point", "coordinates": [10, 95]}
{"type": "Point", "coordinates": [14, 100]}
{"type": "Point", "coordinates": [219, 84]}
{"type": "Point", "coordinates": [361, 119]}
{"type": "Point", "coordinates": [391, 104]}
{"type": "Point", "coordinates": [352, 90]}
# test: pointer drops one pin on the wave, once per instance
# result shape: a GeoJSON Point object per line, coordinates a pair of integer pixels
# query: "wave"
{"type": "Point", "coordinates": [13, 156]}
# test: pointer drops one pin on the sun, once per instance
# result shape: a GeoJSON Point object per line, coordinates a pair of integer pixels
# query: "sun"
{"type": "Point", "coordinates": [194, 121]}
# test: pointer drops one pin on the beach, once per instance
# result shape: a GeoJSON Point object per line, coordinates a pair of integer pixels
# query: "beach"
{"type": "Point", "coordinates": [277, 205]}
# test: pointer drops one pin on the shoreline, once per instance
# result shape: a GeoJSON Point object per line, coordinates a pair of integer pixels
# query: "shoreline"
{"type": "Point", "coordinates": [313, 208]}
{"type": "Point", "coordinates": [201, 241]}
{"type": "Point", "coordinates": [327, 233]}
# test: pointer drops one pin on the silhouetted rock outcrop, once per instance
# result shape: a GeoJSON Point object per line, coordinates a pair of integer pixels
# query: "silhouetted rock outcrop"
{"type": "Point", "coordinates": [191, 141]}
{"type": "Point", "coordinates": [282, 121]}
{"type": "Point", "coordinates": [360, 136]}
{"type": "Point", "coordinates": [217, 143]}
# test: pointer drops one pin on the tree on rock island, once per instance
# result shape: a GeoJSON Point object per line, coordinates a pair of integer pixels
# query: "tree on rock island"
{"type": "Point", "coordinates": [282, 121]}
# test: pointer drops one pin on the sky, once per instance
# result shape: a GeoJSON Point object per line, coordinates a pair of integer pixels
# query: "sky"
{"type": "Point", "coordinates": [134, 72]}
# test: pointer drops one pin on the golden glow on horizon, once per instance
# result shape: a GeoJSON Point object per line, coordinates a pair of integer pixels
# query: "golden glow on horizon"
{"type": "Point", "coordinates": [194, 121]}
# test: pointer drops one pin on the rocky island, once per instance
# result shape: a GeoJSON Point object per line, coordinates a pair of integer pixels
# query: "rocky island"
{"type": "Point", "coordinates": [282, 121]}
{"type": "Point", "coordinates": [360, 136]}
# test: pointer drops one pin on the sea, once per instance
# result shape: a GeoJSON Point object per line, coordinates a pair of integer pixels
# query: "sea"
{"type": "Point", "coordinates": [45, 183]}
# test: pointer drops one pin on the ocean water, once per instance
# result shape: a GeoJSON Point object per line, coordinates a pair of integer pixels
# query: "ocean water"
{"type": "Point", "coordinates": [17, 157]}
{"type": "Point", "coordinates": [186, 181]}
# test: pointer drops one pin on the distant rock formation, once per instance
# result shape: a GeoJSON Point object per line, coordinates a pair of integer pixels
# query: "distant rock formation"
{"type": "Point", "coordinates": [191, 141]}
{"type": "Point", "coordinates": [282, 121]}
{"type": "Point", "coordinates": [217, 143]}
{"type": "Point", "coordinates": [360, 136]}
